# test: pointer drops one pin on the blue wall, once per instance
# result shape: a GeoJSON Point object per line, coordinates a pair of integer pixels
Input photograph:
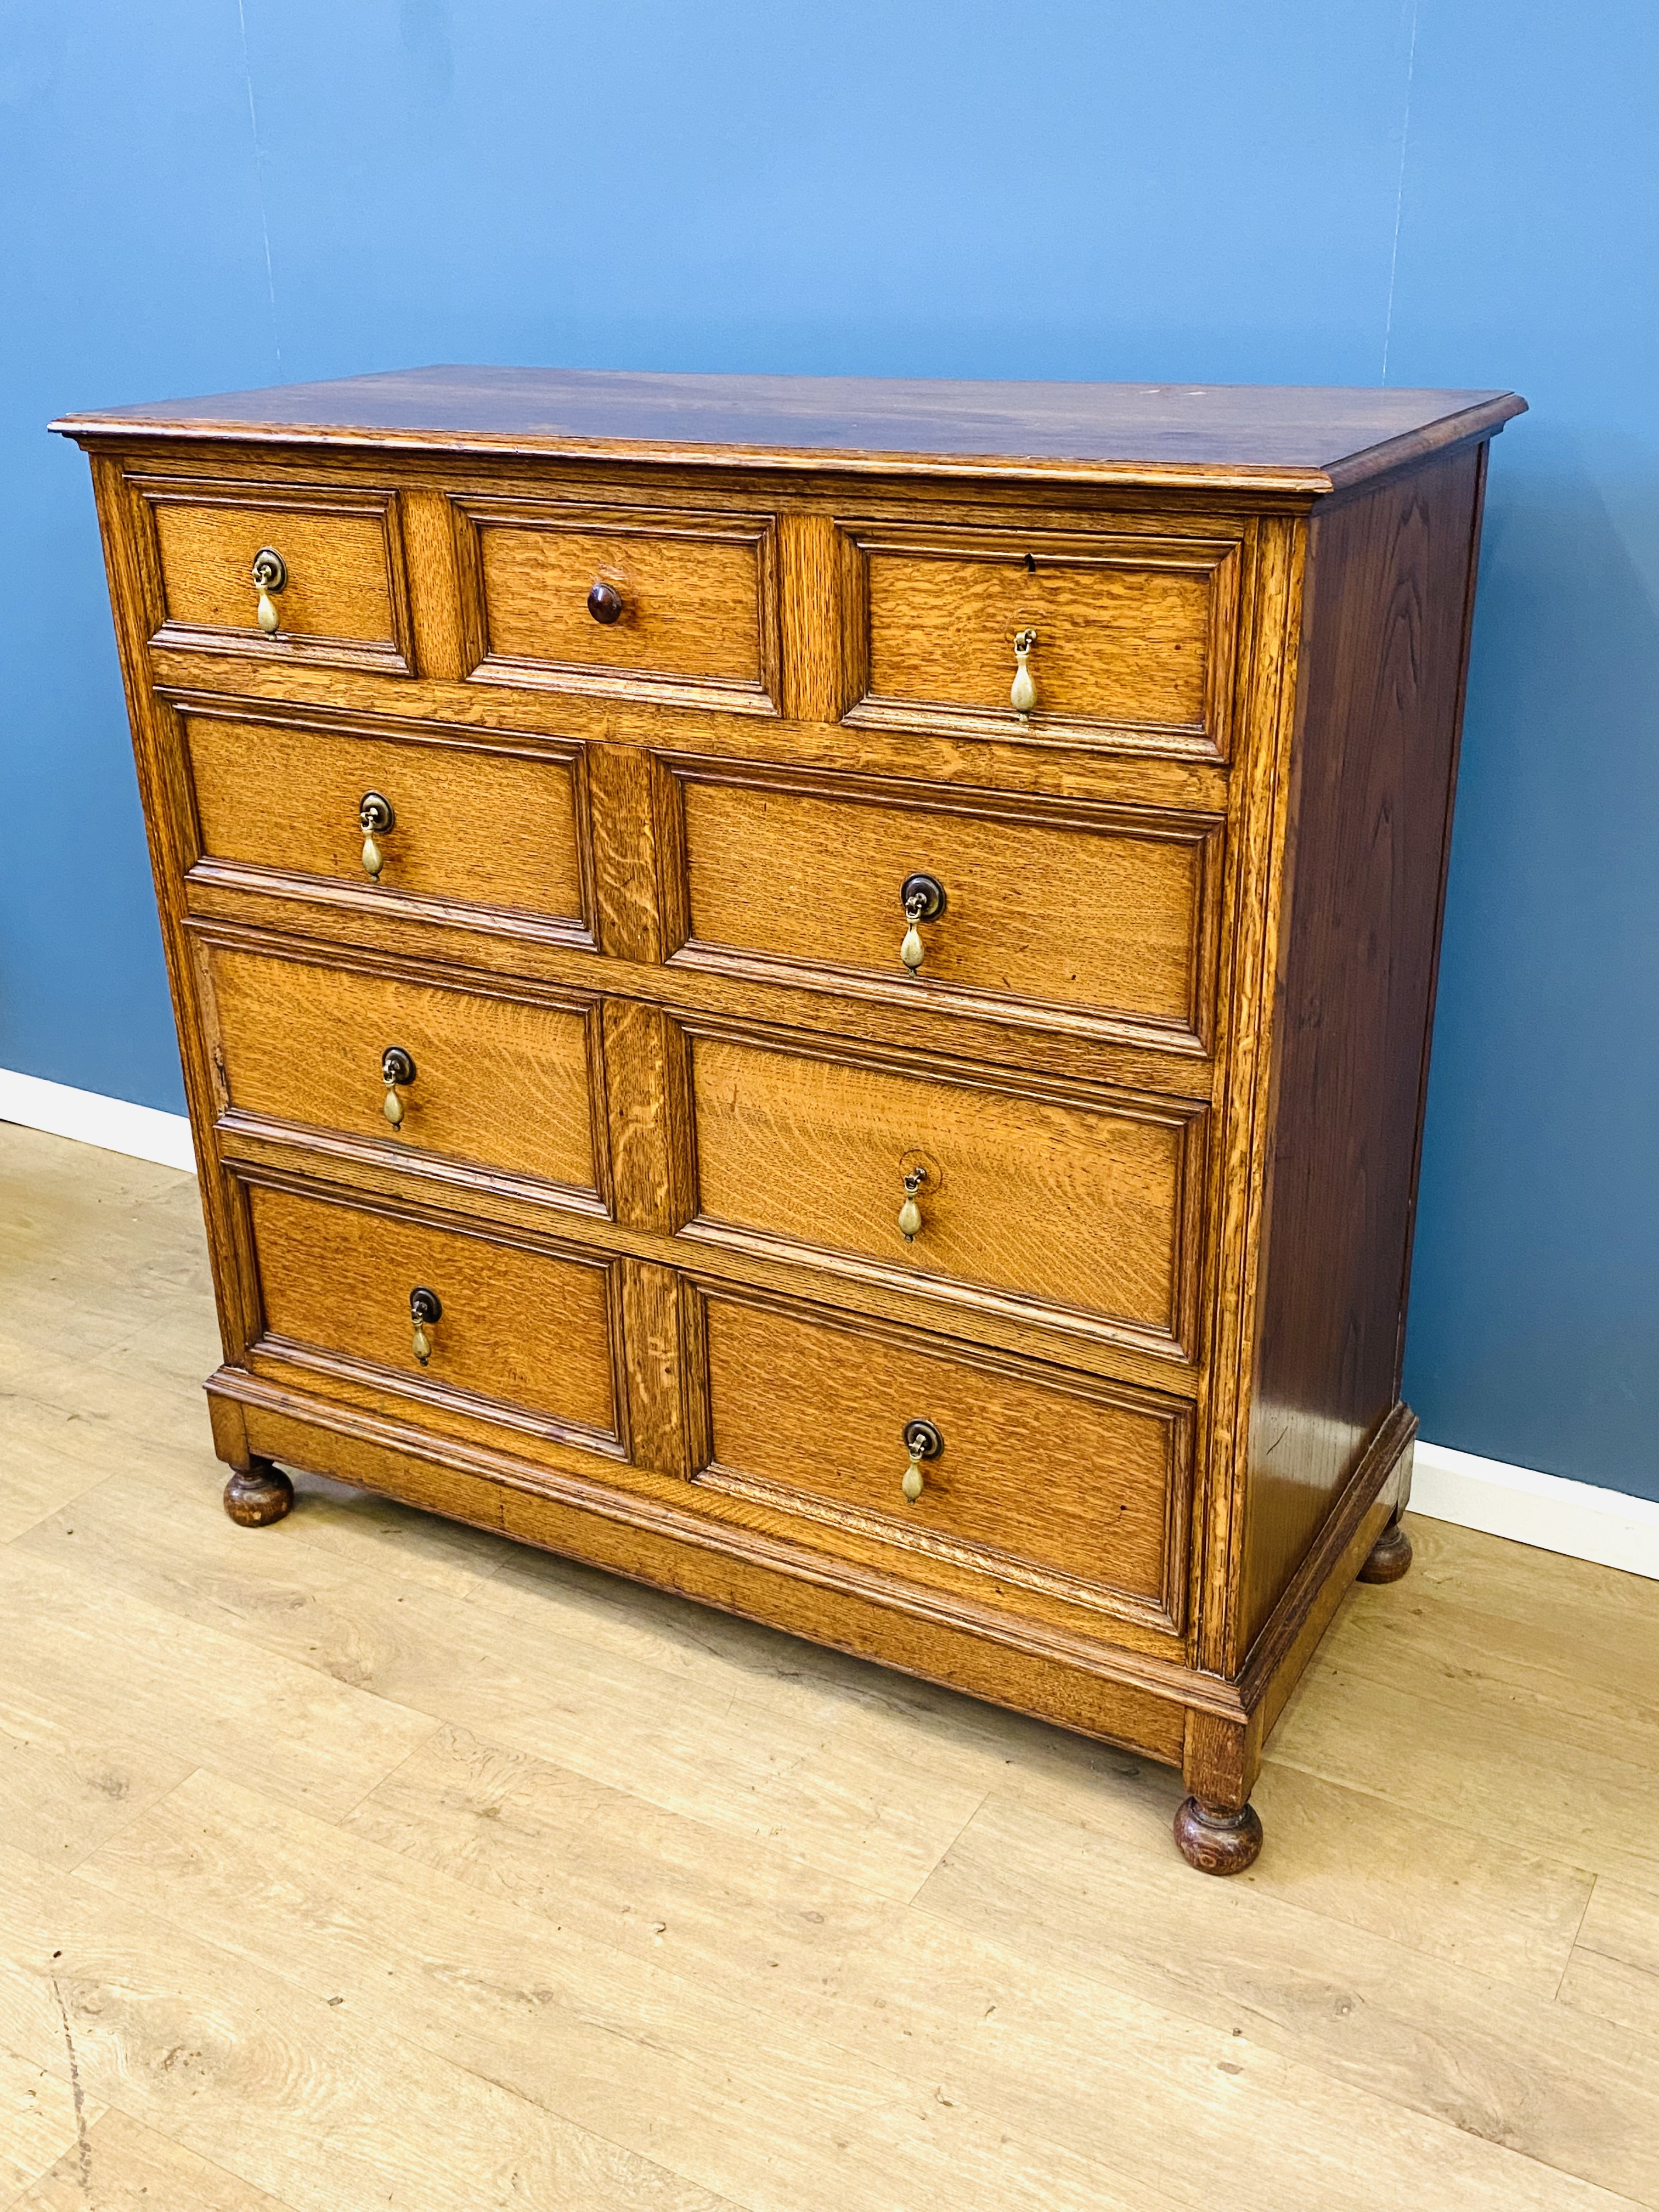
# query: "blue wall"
{"type": "Point", "coordinates": [1441, 192]}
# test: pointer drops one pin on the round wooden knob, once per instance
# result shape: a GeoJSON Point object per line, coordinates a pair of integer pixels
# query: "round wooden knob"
{"type": "Point", "coordinates": [604, 603]}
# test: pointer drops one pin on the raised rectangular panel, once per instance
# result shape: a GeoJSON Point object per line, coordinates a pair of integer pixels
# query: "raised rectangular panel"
{"type": "Point", "coordinates": [345, 599]}
{"type": "Point", "coordinates": [1134, 635]}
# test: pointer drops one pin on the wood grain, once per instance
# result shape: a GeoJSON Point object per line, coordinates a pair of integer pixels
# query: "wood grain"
{"type": "Point", "coordinates": [1109, 914]}
{"type": "Point", "coordinates": [481, 823]}
{"type": "Point", "coordinates": [725, 1879]}
{"type": "Point", "coordinates": [336, 1278]}
{"type": "Point", "coordinates": [1300, 439]}
{"type": "Point", "coordinates": [1393, 575]}
{"type": "Point", "coordinates": [1085, 1487]}
{"type": "Point", "coordinates": [1123, 637]}
{"type": "Point", "coordinates": [500, 1082]}
{"type": "Point", "coordinates": [345, 596]}
{"type": "Point", "coordinates": [1076, 1208]}
{"type": "Point", "coordinates": [697, 596]}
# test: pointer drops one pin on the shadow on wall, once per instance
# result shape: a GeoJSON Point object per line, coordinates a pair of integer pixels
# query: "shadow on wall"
{"type": "Point", "coordinates": [1540, 1172]}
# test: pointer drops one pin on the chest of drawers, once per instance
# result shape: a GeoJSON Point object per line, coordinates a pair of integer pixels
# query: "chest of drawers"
{"type": "Point", "coordinates": [819, 992]}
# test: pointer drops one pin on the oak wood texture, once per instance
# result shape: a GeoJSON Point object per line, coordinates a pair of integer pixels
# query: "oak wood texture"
{"type": "Point", "coordinates": [1076, 1208]}
{"type": "Point", "coordinates": [697, 597]}
{"type": "Point", "coordinates": [1380, 699]}
{"type": "Point", "coordinates": [345, 597]}
{"type": "Point", "coordinates": [1291, 439]}
{"type": "Point", "coordinates": [502, 1083]}
{"type": "Point", "coordinates": [1037, 1481]}
{"type": "Point", "coordinates": [1104, 918]}
{"type": "Point", "coordinates": [562, 1847]}
{"type": "Point", "coordinates": [493, 823]}
{"type": "Point", "coordinates": [335, 1281]}
{"type": "Point", "coordinates": [1129, 634]}
{"type": "Point", "coordinates": [666, 726]}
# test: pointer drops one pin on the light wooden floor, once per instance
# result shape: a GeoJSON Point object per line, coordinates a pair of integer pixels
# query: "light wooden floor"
{"type": "Point", "coordinates": [365, 1861]}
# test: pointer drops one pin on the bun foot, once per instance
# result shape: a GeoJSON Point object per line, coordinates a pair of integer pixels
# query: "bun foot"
{"type": "Point", "coordinates": [1218, 1843]}
{"type": "Point", "coordinates": [261, 1494]}
{"type": "Point", "coordinates": [1389, 1556]}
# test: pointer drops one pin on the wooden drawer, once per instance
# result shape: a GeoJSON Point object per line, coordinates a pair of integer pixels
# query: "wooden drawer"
{"type": "Point", "coordinates": [690, 599]}
{"type": "Point", "coordinates": [1104, 918]}
{"type": "Point", "coordinates": [504, 1085]}
{"type": "Point", "coordinates": [526, 1335]}
{"type": "Point", "coordinates": [345, 596]}
{"type": "Point", "coordinates": [1075, 1488]}
{"type": "Point", "coordinates": [1134, 635]}
{"type": "Point", "coordinates": [489, 825]}
{"type": "Point", "coordinates": [1068, 1204]}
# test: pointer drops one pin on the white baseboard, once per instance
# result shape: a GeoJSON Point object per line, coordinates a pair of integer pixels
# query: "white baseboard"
{"type": "Point", "coordinates": [1545, 1510]}
{"type": "Point", "coordinates": [113, 1125]}
{"type": "Point", "coordinates": [1553, 1515]}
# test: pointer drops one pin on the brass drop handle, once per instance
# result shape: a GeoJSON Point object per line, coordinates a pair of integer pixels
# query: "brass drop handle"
{"type": "Point", "coordinates": [374, 819]}
{"type": "Point", "coordinates": [271, 575]}
{"type": "Point", "coordinates": [425, 1312]}
{"type": "Point", "coordinates": [922, 1441]}
{"type": "Point", "coordinates": [922, 898]}
{"type": "Point", "coordinates": [1023, 692]}
{"type": "Point", "coordinates": [604, 603]}
{"type": "Point", "coordinates": [910, 1217]}
{"type": "Point", "coordinates": [396, 1067]}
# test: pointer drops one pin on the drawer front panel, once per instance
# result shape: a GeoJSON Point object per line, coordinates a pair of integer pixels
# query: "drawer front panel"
{"type": "Point", "coordinates": [524, 1335]}
{"type": "Point", "coordinates": [1106, 913]}
{"type": "Point", "coordinates": [344, 597]}
{"type": "Point", "coordinates": [472, 825]}
{"type": "Point", "coordinates": [500, 1084]}
{"type": "Point", "coordinates": [1076, 1213]}
{"type": "Point", "coordinates": [1131, 635]}
{"type": "Point", "coordinates": [691, 601]}
{"type": "Point", "coordinates": [1078, 1489]}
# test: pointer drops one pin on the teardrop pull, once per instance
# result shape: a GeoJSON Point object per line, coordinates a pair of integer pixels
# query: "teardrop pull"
{"type": "Point", "coordinates": [921, 1441]}
{"type": "Point", "coordinates": [1022, 692]}
{"type": "Point", "coordinates": [373, 861]}
{"type": "Point", "coordinates": [423, 1345]}
{"type": "Point", "coordinates": [910, 948]}
{"type": "Point", "coordinates": [374, 817]}
{"type": "Point", "coordinates": [267, 612]}
{"type": "Point", "coordinates": [394, 1109]}
{"type": "Point", "coordinates": [910, 1217]}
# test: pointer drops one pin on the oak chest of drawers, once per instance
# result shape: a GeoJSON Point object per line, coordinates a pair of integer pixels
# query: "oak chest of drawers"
{"type": "Point", "coordinates": [819, 992]}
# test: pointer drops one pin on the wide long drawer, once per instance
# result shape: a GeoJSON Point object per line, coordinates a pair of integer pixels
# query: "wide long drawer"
{"type": "Point", "coordinates": [1017, 1475]}
{"type": "Point", "coordinates": [1086, 916]}
{"type": "Point", "coordinates": [1073, 1207]}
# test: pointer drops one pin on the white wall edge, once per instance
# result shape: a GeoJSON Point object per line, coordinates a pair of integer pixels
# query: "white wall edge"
{"type": "Point", "coordinates": [114, 1124]}
{"type": "Point", "coordinates": [1545, 1511]}
{"type": "Point", "coordinates": [1579, 1519]}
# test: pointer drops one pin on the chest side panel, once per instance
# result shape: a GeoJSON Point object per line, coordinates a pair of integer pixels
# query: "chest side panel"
{"type": "Point", "coordinates": [1382, 682]}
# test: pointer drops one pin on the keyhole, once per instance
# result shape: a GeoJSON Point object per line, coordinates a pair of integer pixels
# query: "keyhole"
{"type": "Point", "coordinates": [1030, 564]}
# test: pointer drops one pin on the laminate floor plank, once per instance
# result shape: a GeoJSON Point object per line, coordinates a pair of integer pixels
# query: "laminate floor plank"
{"type": "Point", "coordinates": [1489, 2058]}
{"type": "Point", "coordinates": [130, 2169]}
{"type": "Point", "coordinates": [108, 1665]}
{"type": "Point", "coordinates": [757, 1742]}
{"type": "Point", "coordinates": [629, 1904]}
{"type": "Point", "coordinates": [38, 2125]}
{"type": "Point", "coordinates": [295, 2096]}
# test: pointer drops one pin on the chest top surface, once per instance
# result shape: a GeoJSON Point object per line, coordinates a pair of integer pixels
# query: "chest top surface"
{"type": "Point", "coordinates": [1287, 438]}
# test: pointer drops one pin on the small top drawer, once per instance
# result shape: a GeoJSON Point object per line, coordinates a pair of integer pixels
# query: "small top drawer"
{"type": "Point", "coordinates": [656, 603]}
{"type": "Point", "coordinates": [316, 573]}
{"type": "Point", "coordinates": [1120, 638]}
